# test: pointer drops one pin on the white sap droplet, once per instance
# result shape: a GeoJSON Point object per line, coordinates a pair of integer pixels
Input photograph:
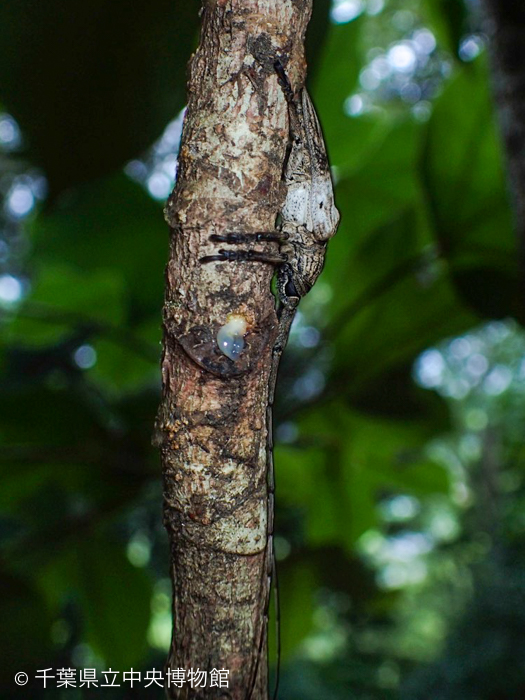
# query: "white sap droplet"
{"type": "Point", "coordinates": [230, 337]}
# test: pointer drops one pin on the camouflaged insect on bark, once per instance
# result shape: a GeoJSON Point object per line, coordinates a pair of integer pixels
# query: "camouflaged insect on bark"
{"type": "Point", "coordinates": [211, 426]}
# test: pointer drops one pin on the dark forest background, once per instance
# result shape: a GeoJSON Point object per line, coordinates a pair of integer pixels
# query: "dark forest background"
{"type": "Point", "coordinates": [400, 457]}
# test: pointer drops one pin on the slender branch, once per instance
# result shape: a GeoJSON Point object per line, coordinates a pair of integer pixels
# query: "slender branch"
{"type": "Point", "coordinates": [212, 425]}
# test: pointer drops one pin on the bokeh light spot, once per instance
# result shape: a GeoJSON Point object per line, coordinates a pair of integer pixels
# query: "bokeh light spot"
{"type": "Point", "coordinates": [85, 356]}
{"type": "Point", "coordinates": [10, 289]}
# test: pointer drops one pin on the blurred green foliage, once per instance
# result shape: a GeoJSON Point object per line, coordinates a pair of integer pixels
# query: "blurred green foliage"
{"type": "Point", "coordinates": [400, 531]}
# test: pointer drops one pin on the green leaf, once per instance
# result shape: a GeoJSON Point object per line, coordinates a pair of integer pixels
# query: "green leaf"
{"type": "Point", "coordinates": [345, 463]}
{"type": "Point", "coordinates": [396, 461]}
{"type": "Point", "coordinates": [98, 280]}
{"type": "Point", "coordinates": [316, 35]}
{"type": "Point", "coordinates": [72, 457]}
{"type": "Point", "coordinates": [304, 481]}
{"type": "Point", "coordinates": [395, 394]}
{"type": "Point", "coordinates": [115, 599]}
{"type": "Point", "coordinates": [297, 587]}
{"type": "Point", "coordinates": [378, 194]}
{"type": "Point", "coordinates": [383, 457]}
{"type": "Point", "coordinates": [52, 415]}
{"type": "Point", "coordinates": [448, 20]}
{"type": "Point", "coordinates": [462, 172]}
{"type": "Point", "coordinates": [110, 224]}
{"type": "Point", "coordinates": [64, 299]}
{"type": "Point", "coordinates": [398, 301]}
{"type": "Point", "coordinates": [351, 142]}
{"type": "Point", "coordinates": [119, 368]}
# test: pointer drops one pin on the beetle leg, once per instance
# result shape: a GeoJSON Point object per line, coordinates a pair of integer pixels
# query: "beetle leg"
{"type": "Point", "coordinates": [284, 81]}
{"type": "Point", "coordinates": [248, 237]}
{"type": "Point", "coordinates": [244, 256]}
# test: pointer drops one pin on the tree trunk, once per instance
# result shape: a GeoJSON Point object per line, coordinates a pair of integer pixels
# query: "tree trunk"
{"type": "Point", "coordinates": [212, 421]}
{"type": "Point", "coordinates": [505, 26]}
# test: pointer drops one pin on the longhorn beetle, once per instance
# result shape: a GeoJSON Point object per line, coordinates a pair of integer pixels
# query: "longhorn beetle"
{"type": "Point", "coordinates": [309, 219]}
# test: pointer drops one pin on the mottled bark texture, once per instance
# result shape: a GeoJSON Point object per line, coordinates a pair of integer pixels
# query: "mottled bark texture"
{"type": "Point", "coordinates": [212, 424]}
{"type": "Point", "coordinates": [505, 27]}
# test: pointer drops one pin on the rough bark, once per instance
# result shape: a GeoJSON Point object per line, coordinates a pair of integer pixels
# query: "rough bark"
{"type": "Point", "coordinates": [505, 27]}
{"type": "Point", "coordinates": [212, 422]}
